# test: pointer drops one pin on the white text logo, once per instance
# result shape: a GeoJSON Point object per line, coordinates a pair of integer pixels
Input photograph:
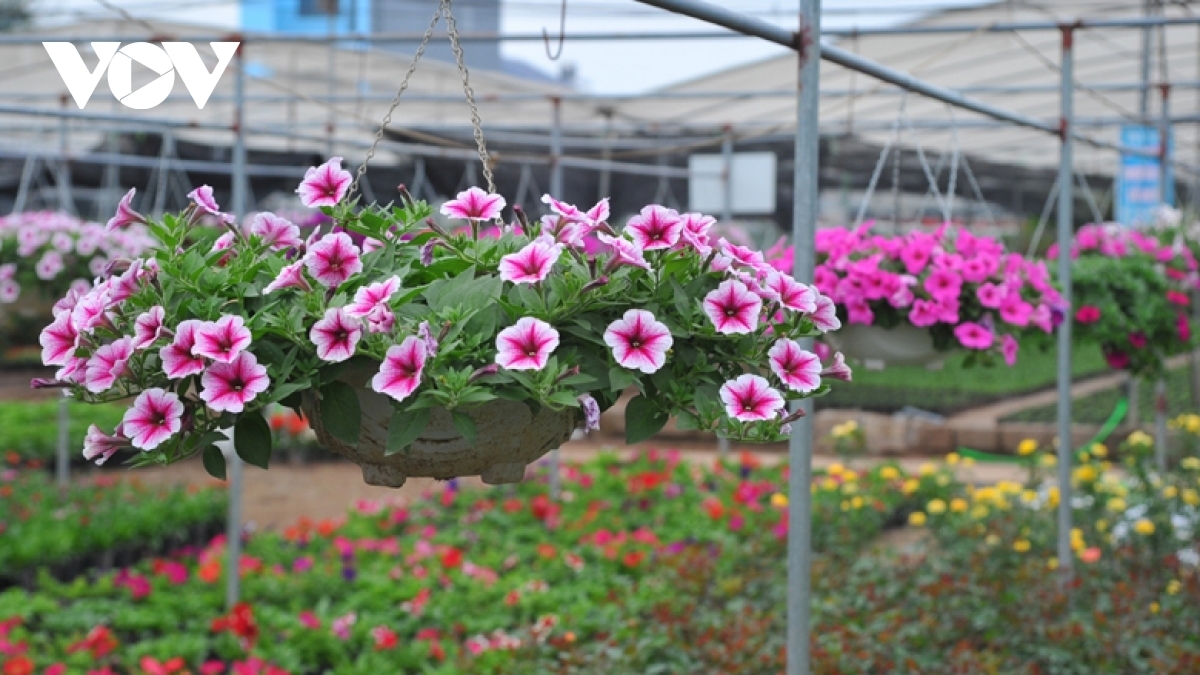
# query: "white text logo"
{"type": "Point", "coordinates": [165, 61]}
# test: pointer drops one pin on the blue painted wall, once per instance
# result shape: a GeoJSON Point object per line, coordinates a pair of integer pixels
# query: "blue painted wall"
{"type": "Point", "coordinates": [302, 17]}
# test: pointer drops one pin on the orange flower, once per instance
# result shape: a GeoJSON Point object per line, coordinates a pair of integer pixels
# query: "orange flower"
{"type": "Point", "coordinates": [327, 527]}
{"type": "Point", "coordinates": [547, 551]}
{"type": "Point", "coordinates": [633, 558]}
{"type": "Point", "coordinates": [1090, 555]}
{"type": "Point", "coordinates": [713, 507]}
{"type": "Point", "coordinates": [210, 571]}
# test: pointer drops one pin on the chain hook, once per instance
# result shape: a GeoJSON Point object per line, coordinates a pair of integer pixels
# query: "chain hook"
{"type": "Point", "coordinates": [562, 34]}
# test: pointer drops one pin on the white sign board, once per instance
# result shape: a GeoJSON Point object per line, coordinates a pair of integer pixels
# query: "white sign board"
{"type": "Point", "coordinates": [753, 183]}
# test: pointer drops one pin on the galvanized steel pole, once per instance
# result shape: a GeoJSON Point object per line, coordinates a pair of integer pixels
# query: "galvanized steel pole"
{"type": "Point", "coordinates": [807, 42]}
{"type": "Point", "coordinates": [556, 190]}
{"type": "Point", "coordinates": [62, 469]}
{"type": "Point", "coordinates": [233, 463]}
{"type": "Point", "coordinates": [1066, 199]}
{"type": "Point", "coordinates": [1164, 191]}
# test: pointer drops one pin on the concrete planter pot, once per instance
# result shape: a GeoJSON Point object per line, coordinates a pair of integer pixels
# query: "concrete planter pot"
{"type": "Point", "coordinates": [903, 345]}
{"type": "Point", "coordinates": [509, 438]}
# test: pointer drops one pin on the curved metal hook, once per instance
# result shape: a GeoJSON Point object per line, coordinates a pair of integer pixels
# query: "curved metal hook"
{"type": "Point", "coordinates": [562, 34]}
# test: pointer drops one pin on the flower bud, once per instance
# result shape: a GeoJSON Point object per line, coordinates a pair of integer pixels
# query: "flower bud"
{"type": "Point", "coordinates": [490, 369]}
{"type": "Point", "coordinates": [593, 284]}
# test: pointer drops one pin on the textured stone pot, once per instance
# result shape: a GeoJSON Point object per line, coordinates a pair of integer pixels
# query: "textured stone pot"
{"type": "Point", "coordinates": [509, 437]}
{"type": "Point", "coordinates": [905, 344]}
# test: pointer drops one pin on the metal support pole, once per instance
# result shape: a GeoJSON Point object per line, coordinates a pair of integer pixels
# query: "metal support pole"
{"type": "Point", "coordinates": [807, 42]}
{"type": "Point", "coordinates": [1164, 185]}
{"type": "Point", "coordinates": [62, 467]}
{"type": "Point", "coordinates": [1066, 202]}
{"type": "Point", "coordinates": [1147, 40]}
{"type": "Point", "coordinates": [233, 463]}
{"type": "Point", "coordinates": [1160, 425]}
{"type": "Point", "coordinates": [331, 77]}
{"type": "Point", "coordinates": [606, 155]}
{"type": "Point", "coordinates": [727, 218]}
{"type": "Point", "coordinates": [556, 190]}
{"type": "Point", "coordinates": [63, 175]}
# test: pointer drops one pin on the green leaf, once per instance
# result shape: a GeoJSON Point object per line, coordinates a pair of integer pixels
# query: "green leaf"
{"type": "Point", "coordinates": [340, 412]}
{"type": "Point", "coordinates": [292, 388]}
{"type": "Point", "coordinates": [686, 421]}
{"type": "Point", "coordinates": [621, 379]}
{"type": "Point", "coordinates": [643, 419]}
{"type": "Point", "coordinates": [564, 398]}
{"type": "Point", "coordinates": [404, 428]}
{"type": "Point", "coordinates": [445, 293]}
{"type": "Point", "coordinates": [214, 462]}
{"type": "Point", "coordinates": [465, 426]}
{"type": "Point", "coordinates": [252, 439]}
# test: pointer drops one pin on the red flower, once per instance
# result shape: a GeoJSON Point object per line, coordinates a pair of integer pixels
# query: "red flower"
{"type": "Point", "coordinates": [633, 559]}
{"type": "Point", "coordinates": [385, 638]}
{"type": "Point", "coordinates": [1184, 327]}
{"type": "Point", "coordinates": [452, 558]}
{"type": "Point", "coordinates": [1117, 360]}
{"type": "Point", "coordinates": [1088, 314]}
{"type": "Point", "coordinates": [56, 669]}
{"type": "Point", "coordinates": [713, 507]}
{"type": "Point", "coordinates": [21, 665]}
{"type": "Point", "coordinates": [1138, 340]}
{"type": "Point", "coordinates": [151, 666]}
{"type": "Point", "coordinates": [542, 508]}
{"type": "Point", "coordinates": [99, 641]}
{"type": "Point", "coordinates": [240, 622]}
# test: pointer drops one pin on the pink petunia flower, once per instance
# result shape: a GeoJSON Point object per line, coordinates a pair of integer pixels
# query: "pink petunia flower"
{"type": "Point", "coordinates": [59, 341]}
{"type": "Point", "coordinates": [991, 296]}
{"type": "Point", "coordinates": [639, 341]}
{"type": "Point", "coordinates": [943, 285]}
{"type": "Point", "coordinates": [625, 252]}
{"type": "Point", "coordinates": [276, 232]}
{"type": "Point", "coordinates": [336, 335]}
{"type": "Point", "coordinates": [825, 317]}
{"type": "Point", "coordinates": [177, 358]}
{"type": "Point", "coordinates": [532, 263]}
{"type": "Point", "coordinates": [526, 345]}
{"type": "Point", "coordinates": [839, 370]}
{"type": "Point", "coordinates": [125, 215]}
{"type": "Point", "coordinates": [695, 232]}
{"type": "Point", "coordinates": [222, 340]}
{"type": "Point", "coordinates": [1009, 347]}
{"type": "Point", "coordinates": [324, 185]}
{"type": "Point", "coordinates": [228, 387]}
{"type": "Point", "coordinates": [371, 296]}
{"type": "Point", "coordinates": [381, 319]}
{"type": "Point", "coordinates": [656, 227]}
{"type": "Point", "coordinates": [291, 276]}
{"type": "Point", "coordinates": [924, 313]}
{"type": "Point", "coordinates": [800, 370]}
{"type": "Point", "coordinates": [1015, 311]}
{"type": "Point", "coordinates": [732, 308]}
{"type": "Point", "coordinates": [333, 259]}
{"type": "Point", "coordinates": [400, 373]}
{"type": "Point", "coordinates": [99, 446]}
{"type": "Point", "coordinates": [474, 204]}
{"type": "Point", "coordinates": [591, 412]}
{"type": "Point", "coordinates": [742, 255]}
{"type": "Point", "coordinates": [156, 415]}
{"type": "Point", "coordinates": [791, 293]}
{"type": "Point", "coordinates": [147, 327]}
{"type": "Point", "coordinates": [203, 196]}
{"type": "Point", "coordinates": [1088, 314]}
{"type": "Point", "coordinates": [974, 336]}
{"type": "Point", "coordinates": [309, 620]}
{"type": "Point", "coordinates": [91, 312]}
{"type": "Point", "coordinates": [125, 286]}
{"type": "Point", "coordinates": [750, 398]}
{"type": "Point", "coordinates": [110, 362]}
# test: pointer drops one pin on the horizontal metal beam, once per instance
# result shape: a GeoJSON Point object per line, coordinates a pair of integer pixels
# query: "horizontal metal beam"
{"type": "Point", "coordinates": [1010, 27]}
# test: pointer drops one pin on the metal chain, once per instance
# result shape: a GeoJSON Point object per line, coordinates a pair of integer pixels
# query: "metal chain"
{"type": "Point", "coordinates": [387, 119]}
{"type": "Point", "coordinates": [476, 123]}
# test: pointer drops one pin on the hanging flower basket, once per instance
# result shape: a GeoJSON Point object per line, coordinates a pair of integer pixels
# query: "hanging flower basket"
{"type": "Point", "coordinates": [508, 437]}
{"type": "Point", "coordinates": [904, 345]}
{"type": "Point", "coordinates": [432, 347]}
{"type": "Point", "coordinates": [961, 291]}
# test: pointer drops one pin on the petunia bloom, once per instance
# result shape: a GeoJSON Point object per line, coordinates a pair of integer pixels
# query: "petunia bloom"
{"type": "Point", "coordinates": [591, 412]}
{"type": "Point", "coordinates": [825, 317]}
{"type": "Point", "coordinates": [792, 294]}
{"type": "Point", "coordinates": [371, 296]}
{"type": "Point", "coordinates": [750, 398]}
{"type": "Point", "coordinates": [800, 370]}
{"type": "Point", "coordinates": [98, 446]}
{"type": "Point", "coordinates": [639, 341]}
{"type": "Point", "coordinates": [974, 336]}
{"type": "Point", "coordinates": [156, 415]}
{"type": "Point", "coordinates": [625, 252]}
{"type": "Point", "coordinates": [276, 232]}
{"type": "Point", "coordinates": [324, 185]}
{"type": "Point", "coordinates": [400, 374]}
{"type": "Point", "coordinates": [839, 370]}
{"type": "Point", "coordinates": [526, 345]}
{"type": "Point", "coordinates": [474, 204]}
{"type": "Point", "coordinates": [1088, 314]}
{"type": "Point", "coordinates": [336, 335]}
{"type": "Point", "coordinates": [532, 263]}
{"type": "Point", "coordinates": [291, 276]}
{"type": "Point", "coordinates": [203, 197]}
{"type": "Point", "coordinates": [333, 259]}
{"type": "Point", "coordinates": [59, 341]}
{"type": "Point", "coordinates": [177, 358]}
{"type": "Point", "coordinates": [222, 340]}
{"type": "Point", "coordinates": [125, 215]}
{"type": "Point", "coordinates": [148, 327]}
{"type": "Point", "coordinates": [733, 308]}
{"type": "Point", "coordinates": [656, 227]}
{"type": "Point", "coordinates": [1008, 348]}
{"type": "Point", "coordinates": [110, 362]}
{"type": "Point", "coordinates": [228, 387]}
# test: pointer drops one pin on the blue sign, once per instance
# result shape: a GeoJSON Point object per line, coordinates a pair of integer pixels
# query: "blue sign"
{"type": "Point", "coordinates": [1138, 180]}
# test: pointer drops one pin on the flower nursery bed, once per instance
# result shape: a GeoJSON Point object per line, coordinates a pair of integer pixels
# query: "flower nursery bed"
{"type": "Point", "coordinates": [657, 565]}
{"type": "Point", "coordinates": [71, 532]}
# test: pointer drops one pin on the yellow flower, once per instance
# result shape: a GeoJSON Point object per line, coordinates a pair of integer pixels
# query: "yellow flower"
{"type": "Point", "coordinates": [928, 469]}
{"type": "Point", "coordinates": [936, 507]}
{"type": "Point", "coordinates": [851, 426]}
{"type": "Point", "coordinates": [1029, 496]}
{"type": "Point", "coordinates": [952, 458]}
{"type": "Point", "coordinates": [910, 486]}
{"type": "Point", "coordinates": [1101, 525]}
{"type": "Point", "coordinates": [779, 500]}
{"type": "Point", "coordinates": [958, 505]}
{"type": "Point", "coordinates": [1048, 460]}
{"type": "Point", "coordinates": [1099, 450]}
{"type": "Point", "coordinates": [1086, 474]}
{"type": "Point", "coordinates": [1144, 527]}
{"type": "Point", "coordinates": [889, 473]}
{"type": "Point", "coordinates": [1084, 458]}
{"type": "Point", "coordinates": [850, 475]}
{"type": "Point", "coordinates": [1190, 463]}
{"type": "Point", "coordinates": [1191, 497]}
{"type": "Point", "coordinates": [916, 518]}
{"type": "Point", "coordinates": [1139, 437]}
{"type": "Point", "coordinates": [1154, 607]}
{"type": "Point", "coordinates": [845, 505]}
{"type": "Point", "coordinates": [1021, 545]}
{"type": "Point", "coordinates": [979, 512]}
{"type": "Point", "coordinates": [943, 480]}
{"type": "Point", "coordinates": [1027, 447]}
{"type": "Point", "coordinates": [849, 488]}
{"type": "Point", "coordinates": [829, 484]}
{"type": "Point", "coordinates": [1052, 497]}
{"type": "Point", "coordinates": [1052, 563]}
{"type": "Point", "coordinates": [1173, 587]}
{"type": "Point", "coordinates": [968, 461]}
{"type": "Point", "coordinates": [834, 469]}
{"type": "Point", "coordinates": [1193, 424]}
{"type": "Point", "coordinates": [1170, 492]}
{"type": "Point", "coordinates": [1009, 487]}
{"type": "Point", "coordinates": [991, 540]}
{"type": "Point", "coordinates": [857, 502]}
